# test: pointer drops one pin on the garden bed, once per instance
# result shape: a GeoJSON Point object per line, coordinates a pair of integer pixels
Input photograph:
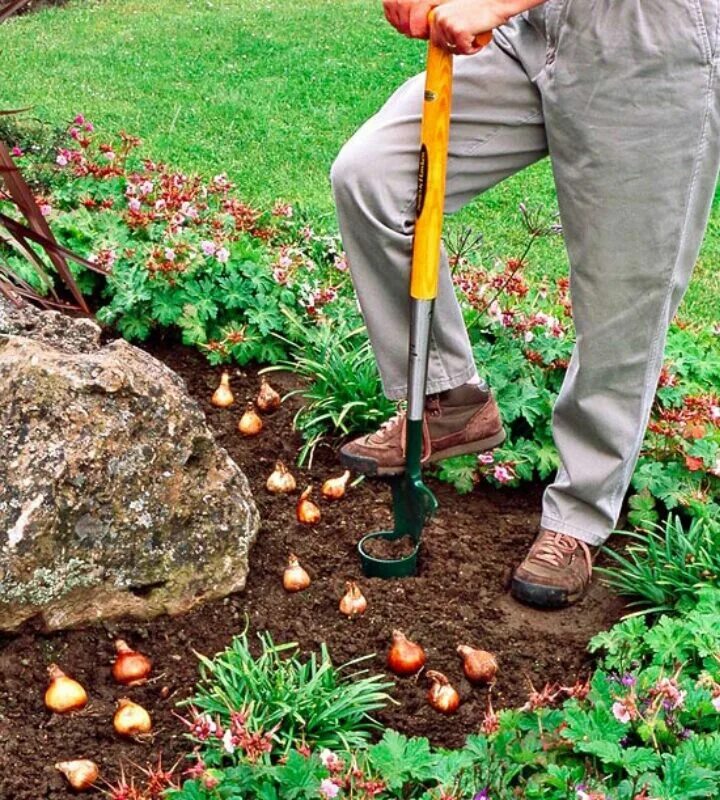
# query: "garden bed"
{"type": "Point", "coordinates": [459, 597]}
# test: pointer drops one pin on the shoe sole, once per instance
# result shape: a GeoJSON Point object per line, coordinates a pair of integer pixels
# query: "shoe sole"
{"type": "Point", "coordinates": [369, 466]}
{"type": "Point", "coordinates": [535, 594]}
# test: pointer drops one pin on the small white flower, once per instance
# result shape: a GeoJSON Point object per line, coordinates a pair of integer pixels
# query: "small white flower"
{"type": "Point", "coordinates": [228, 741]}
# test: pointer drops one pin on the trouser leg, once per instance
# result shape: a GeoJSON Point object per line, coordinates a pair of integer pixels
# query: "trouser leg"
{"type": "Point", "coordinates": [496, 130]}
{"type": "Point", "coordinates": [632, 115]}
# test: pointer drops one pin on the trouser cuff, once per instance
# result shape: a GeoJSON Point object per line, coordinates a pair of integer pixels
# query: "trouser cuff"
{"type": "Point", "coordinates": [434, 386]}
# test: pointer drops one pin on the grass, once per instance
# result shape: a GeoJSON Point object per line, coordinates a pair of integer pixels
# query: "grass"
{"type": "Point", "coordinates": [266, 90]}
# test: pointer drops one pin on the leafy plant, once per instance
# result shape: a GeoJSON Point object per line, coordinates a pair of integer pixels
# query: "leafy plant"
{"type": "Point", "coordinates": [341, 385]}
{"type": "Point", "coordinates": [666, 566]}
{"type": "Point", "coordinates": [310, 702]}
{"type": "Point", "coordinates": [28, 250]}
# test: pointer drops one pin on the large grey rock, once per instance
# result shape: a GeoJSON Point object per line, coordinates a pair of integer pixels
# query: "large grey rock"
{"type": "Point", "coordinates": [114, 497]}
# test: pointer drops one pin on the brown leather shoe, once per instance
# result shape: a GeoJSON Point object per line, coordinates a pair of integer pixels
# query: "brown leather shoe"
{"type": "Point", "coordinates": [555, 573]}
{"type": "Point", "coordinates": [456, 422]}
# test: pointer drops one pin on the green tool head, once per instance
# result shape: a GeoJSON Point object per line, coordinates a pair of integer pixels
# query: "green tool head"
{"type": "Point", "coordinates": [413, 505]}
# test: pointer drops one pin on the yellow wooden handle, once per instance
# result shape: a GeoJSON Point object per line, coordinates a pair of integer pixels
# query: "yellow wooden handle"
{"type": "Point", "coordinates": [435, 134]}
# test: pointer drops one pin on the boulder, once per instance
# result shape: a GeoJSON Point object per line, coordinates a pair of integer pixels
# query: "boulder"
{"type": "Point", "coordinates": [114, 497]}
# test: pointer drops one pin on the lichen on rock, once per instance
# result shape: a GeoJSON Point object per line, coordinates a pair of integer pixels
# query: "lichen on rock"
{"type": "Point", "coordinates": [114, 496]}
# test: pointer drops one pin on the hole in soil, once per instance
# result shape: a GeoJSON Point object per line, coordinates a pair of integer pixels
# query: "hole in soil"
{"type": "Point", "coordinates": [389, 549]}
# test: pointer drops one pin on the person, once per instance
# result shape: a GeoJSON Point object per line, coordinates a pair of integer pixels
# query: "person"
{"type": "Point", "coordinates": [623, 96]}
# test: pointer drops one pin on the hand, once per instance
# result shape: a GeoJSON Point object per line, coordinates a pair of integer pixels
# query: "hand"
{"type": "Point", "coordinates": [456, 23]}
{"type": "Point", "coordinates": [410, 17]}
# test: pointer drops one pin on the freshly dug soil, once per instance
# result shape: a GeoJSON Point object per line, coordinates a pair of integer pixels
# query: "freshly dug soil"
{"type": "Point", "coordinates": [458, 597]}
{"type": "Point", "coordinates": [389, 549]}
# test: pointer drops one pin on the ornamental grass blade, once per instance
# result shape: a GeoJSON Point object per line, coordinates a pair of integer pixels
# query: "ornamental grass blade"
{"type": "Point", "coordinates": [11, 8]}
{"type": "Point", "coordinates": [37, 231]}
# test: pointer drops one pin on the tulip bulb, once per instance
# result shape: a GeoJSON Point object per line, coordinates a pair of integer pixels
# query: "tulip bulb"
{"type": "Point", "coordinates": [442, 696]}
{"type": "Point", "coordinates": [334, 488]}
{"type": "Point", "coordinates": [307, 512]}
{"type": "Point", "coordinates": [295, 579]}
{"type": "Point", "coordinates": [479, 666]}
{"type": "Point", "coordinates": [353, 602]}
{"type": "Point", "coordinates": [81, 773]}
{"type": "Point", "coordinates": [281, 480]}
{"type": "Point", "coordinates": [268, 399]}
{"type": "Point", "coordinates": [250, 423]}
{"type": "Point", "coordinates": [405, 657]}
{"type": "Point", "coordinates": [131, 719]}
{"type": "Point", "coordinates": [63, 694]}
{"type": "Point", "coordinates": [130, 668]}
{"type": "Point", "coordinates": [223, 396]}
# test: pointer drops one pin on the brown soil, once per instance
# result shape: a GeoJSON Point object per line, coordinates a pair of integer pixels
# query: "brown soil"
{"type": "Point", "coordinates": [389, 548]}
{"type": "Point", "coordinates": [458, 597]}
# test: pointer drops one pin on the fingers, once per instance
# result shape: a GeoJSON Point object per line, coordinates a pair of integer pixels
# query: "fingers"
{"type": "Point", "coordinates": [390, 7]}
{"type": "Point", "coordinates": [448, 33]}
{"type": "Point", "coordinates": [410, 17]}
{"type": "Point", "coordinates": [418, 20]}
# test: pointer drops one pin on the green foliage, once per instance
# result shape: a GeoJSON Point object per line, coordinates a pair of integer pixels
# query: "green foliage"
{"type": "Point", "coordinates": [341, 385]}
{"type": "Point", "coordinates": [646, 725]}
{"type": "Point", "coordinates": [243, 285]}
{"type": "Point", "coordinates": [312, 702]}
{"type": "Point", "coordinates": [667, 565]}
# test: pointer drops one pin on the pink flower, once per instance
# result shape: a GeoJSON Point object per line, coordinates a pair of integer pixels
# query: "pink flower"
{"type": "Point", "coordinates": [715, 413]}
{"type": "Point", "coordinates": [529, 336]}
{"type": "Point", "coordinates": [16, 151]}
{"type": "Point", "coordinates": [622, 711]}
{"type": "Point", "coordinates": [716, 702]}
{"type": "Point", "coordinates": [74, 133]}
{"type": "Point", "coordinates": [328, 759]}
{"type": "Point", "coordinates": [341, 262]}
{"type": "Point", "coordinates": [222, 254]}
{"type": "Point", "coordinates": [134, 204]}
{"type": "Point", "coordinates": [306, 232]}
{"type": "Point", "coordinates": [189, 210]}
{"type": "Point", "coordinates": [221, 181]}
{"type": "Point", "coordinates": [281, 209]}
{"type": "Point", "coordinates": [89, 127]}
{"type": "Point", "coordinates": [280, 275]}
{"type": "Point", "coordinates": [208, 247]}
{"type": "Point", "coordinates": [169, 254]}
{"type": "Point", "coordinates": [109, 155]}
{"type": "Point", "coordinates": [160, 205]}
{"type": "Point", "coordinates": [503, 473]}
{"type": "Point", "coordinates": [329, 789]}
{"type": "Point", "coordinates": [46, 209]}
{"type": "Point", "coordinates": [79, 119]}
{"type": "Point", "coordinates": [146, 187]}
{"type": "Point", "coordinates": [486, 458]}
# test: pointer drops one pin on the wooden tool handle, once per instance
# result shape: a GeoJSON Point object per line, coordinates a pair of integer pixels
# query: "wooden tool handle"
{"type": "Point", "coordinates": [435, 134]}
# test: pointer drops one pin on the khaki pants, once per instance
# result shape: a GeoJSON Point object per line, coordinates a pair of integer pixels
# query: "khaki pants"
{"type": "Point", "coordinates": [623, 95]}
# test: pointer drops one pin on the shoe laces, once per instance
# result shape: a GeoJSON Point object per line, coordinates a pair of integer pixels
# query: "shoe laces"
{"type": "Point", "coordinates": [554, 548]}
{"type": "Point", "coordinates": [389, 426]}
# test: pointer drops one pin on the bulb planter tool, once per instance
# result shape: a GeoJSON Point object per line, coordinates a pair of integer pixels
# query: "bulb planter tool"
{"type": "Point", "coordinates": [413, 502]}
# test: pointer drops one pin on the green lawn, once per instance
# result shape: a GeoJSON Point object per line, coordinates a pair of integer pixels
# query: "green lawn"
{"type": "Point", "coordinates": [266, 90]}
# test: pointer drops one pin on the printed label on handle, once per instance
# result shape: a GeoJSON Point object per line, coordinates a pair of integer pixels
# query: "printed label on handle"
{"type": "Point", "coordinates": [422, 181]}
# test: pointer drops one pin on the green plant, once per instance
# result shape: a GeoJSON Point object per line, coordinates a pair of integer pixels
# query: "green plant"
{"type": "Point", "coordinates": [341, 390]}
{"type": "Point", "coordinates": [666, 566]}
{"type": "Point", "coordinates": [30, 256]}
{"type": "Point", "coordinates": [310, 701]}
